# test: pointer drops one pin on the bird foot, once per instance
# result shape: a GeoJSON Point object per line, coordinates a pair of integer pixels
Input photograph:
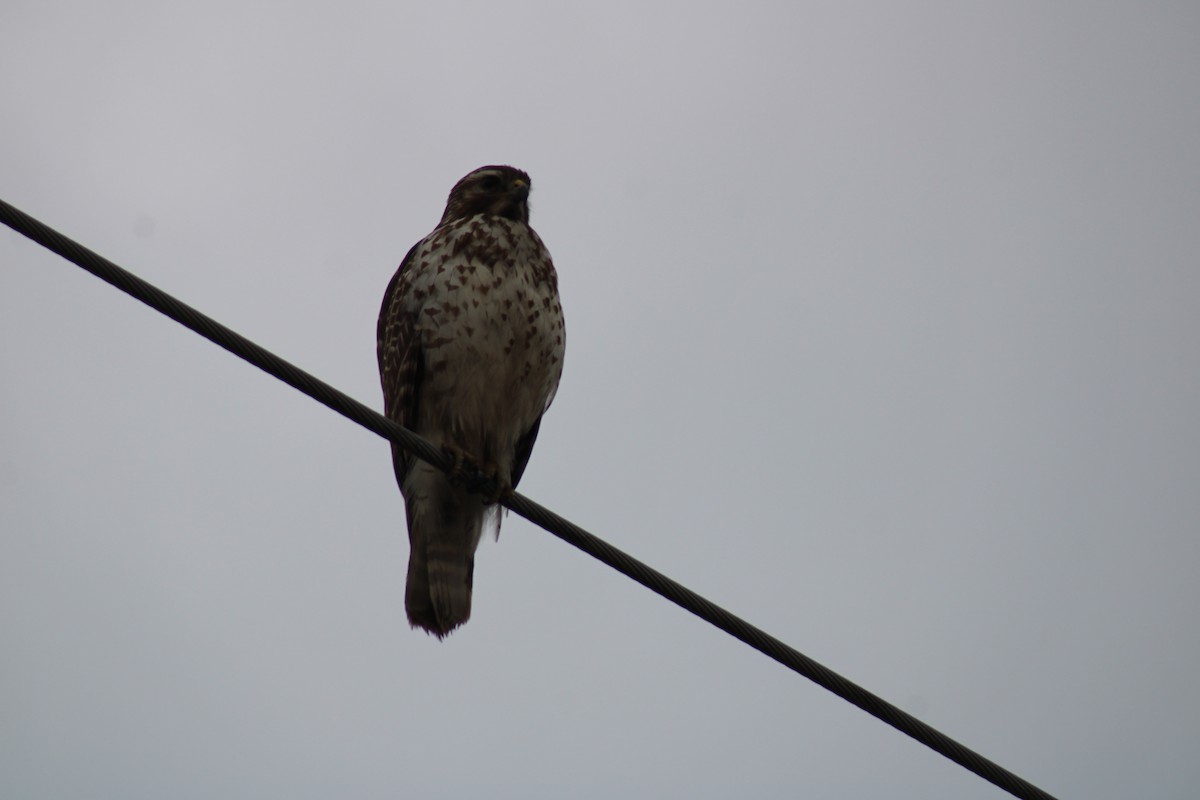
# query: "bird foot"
{"type": "Point", "coordinates": [464, 467]}
{"type": "Point", "coordinates": [466, 472]}
{"type": "Point", "coordinates": [494, 489]}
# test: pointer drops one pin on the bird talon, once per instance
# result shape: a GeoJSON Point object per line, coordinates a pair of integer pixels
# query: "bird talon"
{"type": "Point", "coordinates": [495, 489]}
{"type": "Point", "coordinates": [464, 469]}
{"type": "Point", "coordinates": [466, 473]}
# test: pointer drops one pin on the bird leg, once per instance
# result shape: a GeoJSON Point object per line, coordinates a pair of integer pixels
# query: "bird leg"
{"type": "Point", "coordinates": [466, 473]}
{"type": "Point", "coordinates": [464, 469]}
{"type": "Point", "coordinates": [497, 489]}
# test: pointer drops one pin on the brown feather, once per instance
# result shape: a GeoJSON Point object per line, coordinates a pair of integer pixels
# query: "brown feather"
{"type": "Point", "coordinates": [470, 346]}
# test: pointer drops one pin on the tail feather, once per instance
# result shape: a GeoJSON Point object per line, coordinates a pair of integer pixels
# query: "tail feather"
{"type": "Point", "coordinates": [444, 527]}
{"type": "Point", "coordinates": [417, 600]}
{"type": "Point", "coordinates": [438, 595]}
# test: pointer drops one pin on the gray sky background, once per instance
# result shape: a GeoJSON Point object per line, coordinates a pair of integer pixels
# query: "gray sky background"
{"type": "Point", "coordinates": [882, 332]}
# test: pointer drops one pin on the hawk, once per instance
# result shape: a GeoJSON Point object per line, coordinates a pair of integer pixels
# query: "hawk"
{"type": "Point", "coordinates": [470, 346]}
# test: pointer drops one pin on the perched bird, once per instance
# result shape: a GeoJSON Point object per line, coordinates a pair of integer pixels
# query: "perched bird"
{"type": "Point", "coordinates": [470, 345]}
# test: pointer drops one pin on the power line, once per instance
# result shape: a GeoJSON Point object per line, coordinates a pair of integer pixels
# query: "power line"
{"type": "Point", "coordinates": [564, 529]}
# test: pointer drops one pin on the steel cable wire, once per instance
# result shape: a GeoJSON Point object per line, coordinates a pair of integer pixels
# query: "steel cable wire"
{"type": "Point", "coordinates": [564, 529]}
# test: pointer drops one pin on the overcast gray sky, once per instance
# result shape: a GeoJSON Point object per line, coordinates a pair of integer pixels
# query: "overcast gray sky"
{"type": "Point", "coordinates": [882, 332]}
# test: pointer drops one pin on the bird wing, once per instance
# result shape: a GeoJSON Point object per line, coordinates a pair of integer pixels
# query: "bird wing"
{"type": "Point", "coordinates": [401, 363]}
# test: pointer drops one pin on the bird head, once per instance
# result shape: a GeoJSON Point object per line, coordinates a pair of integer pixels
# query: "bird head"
{"type": "Point", "coordinates": [500, 191]}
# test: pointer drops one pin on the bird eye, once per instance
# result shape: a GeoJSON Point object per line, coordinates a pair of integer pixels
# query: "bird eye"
{"type": "Point", "coordinates": [489, 183]}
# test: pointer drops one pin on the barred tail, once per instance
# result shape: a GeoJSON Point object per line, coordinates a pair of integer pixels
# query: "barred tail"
{"type": "Point", "coordinates": [444, 527]}
{"type": "Point", "coordinates": [438, 595]}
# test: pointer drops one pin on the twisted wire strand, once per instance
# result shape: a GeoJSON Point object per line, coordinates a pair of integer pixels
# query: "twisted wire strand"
{"type": "Point", "coordinates": [569, 532]}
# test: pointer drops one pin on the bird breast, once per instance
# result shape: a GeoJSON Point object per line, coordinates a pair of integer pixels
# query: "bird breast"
{"type": "Point", "coordinates": [491, 329]}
